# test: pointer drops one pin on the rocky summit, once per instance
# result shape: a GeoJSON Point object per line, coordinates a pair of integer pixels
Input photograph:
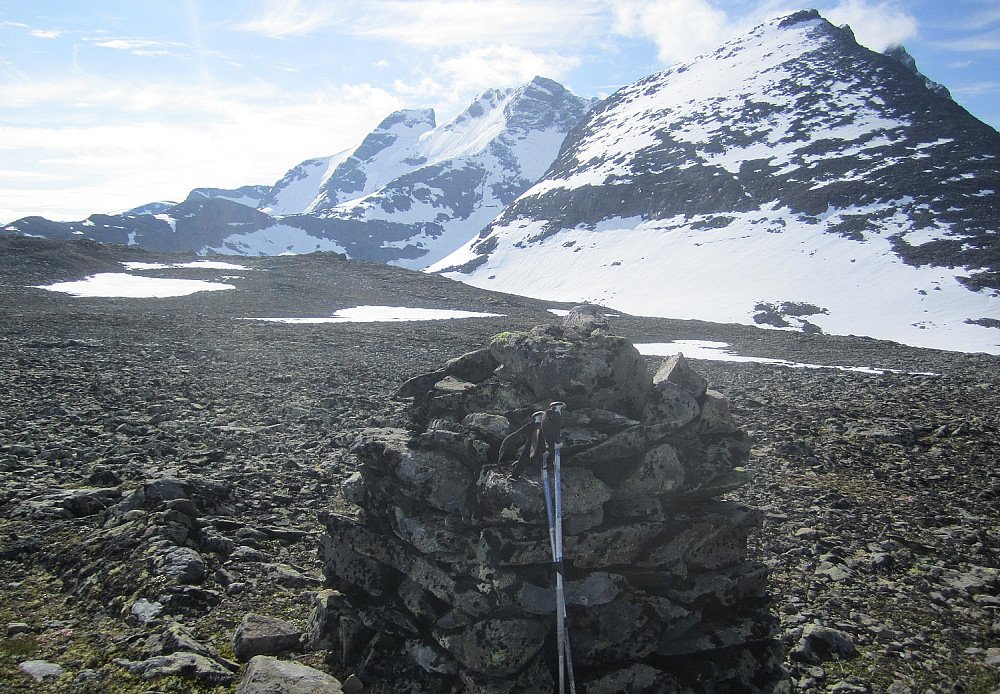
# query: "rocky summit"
{"type": "Point", "coordinates": [172, 473]}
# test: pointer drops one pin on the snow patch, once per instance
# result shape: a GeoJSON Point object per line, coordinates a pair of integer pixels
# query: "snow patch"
{"type": "Point", "coordinates": [127, 286]}
{"type": "Point", "coordinates": [384, 314]}
{"type": "Point", "coordinates": [710, 350]}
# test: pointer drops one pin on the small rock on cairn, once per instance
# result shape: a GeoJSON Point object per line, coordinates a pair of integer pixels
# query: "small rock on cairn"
{"type": "Point", "coordinates": [443, 579]}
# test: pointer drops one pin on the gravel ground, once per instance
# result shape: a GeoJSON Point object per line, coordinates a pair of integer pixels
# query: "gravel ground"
{"type": "Point", "coordinates": [880, 491]}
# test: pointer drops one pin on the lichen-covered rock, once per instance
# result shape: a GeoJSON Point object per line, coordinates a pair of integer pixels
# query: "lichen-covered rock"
{"type": "Point", "coordinates": [448, 563]}
{"type": "Point", "coordinates": [262, 635]}
{"type": "Point", "coordinates": [496, 647]}
{"type": "Point", "coordinates": [268, 675]}
{"type": "Point", "coordinates": [189, 665]}
{"type": "Point", "coordinates": [676, 370]}
{"type": "Point", "coordinates": [603, 372]}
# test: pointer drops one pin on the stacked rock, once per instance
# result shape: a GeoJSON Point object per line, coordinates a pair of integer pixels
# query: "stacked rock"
{"type": "Point", "coordinates": [444, 578]}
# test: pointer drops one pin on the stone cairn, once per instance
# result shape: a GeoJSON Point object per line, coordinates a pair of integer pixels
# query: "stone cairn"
{"type": "Point", "coordinates": [442, 581]}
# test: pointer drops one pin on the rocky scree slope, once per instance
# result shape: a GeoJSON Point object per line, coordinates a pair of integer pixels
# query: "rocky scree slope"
{"type": "Point", "coordinates": [880, 491]}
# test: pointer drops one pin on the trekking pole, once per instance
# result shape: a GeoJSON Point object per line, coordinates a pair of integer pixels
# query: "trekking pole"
{"type": "Point", "coordinates": [563, 645]}
{"type": "Point", "coordinates": [549, 511]}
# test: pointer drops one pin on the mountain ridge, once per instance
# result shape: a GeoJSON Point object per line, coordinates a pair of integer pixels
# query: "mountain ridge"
{"type": "Point", "coordinates": [409, 193]}
{"type": "Point", "coordinates": [853, 184]}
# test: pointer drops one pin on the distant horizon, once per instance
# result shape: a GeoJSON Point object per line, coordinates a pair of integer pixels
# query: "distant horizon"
{"type": "Point", "coordinates": [111, 106]}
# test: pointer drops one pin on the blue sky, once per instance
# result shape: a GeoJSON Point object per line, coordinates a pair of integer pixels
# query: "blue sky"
{"type": "Point", "coordinates": [108, 104]}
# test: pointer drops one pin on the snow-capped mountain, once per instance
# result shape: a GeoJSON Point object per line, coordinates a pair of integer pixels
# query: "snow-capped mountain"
{"type": "Point", "coordinates": [413, 191]}
{"type": "Point", "coordinates": [410, 193]}
{"type": "Point", "coordinates": [790, 178]}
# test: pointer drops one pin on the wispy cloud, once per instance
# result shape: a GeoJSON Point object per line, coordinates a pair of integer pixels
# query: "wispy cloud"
{"type": "Point", "coordinates": [46, 33]}
{"type": "Point", "coordinates": [977, 89]}
{"type": "Point", "coordinates": [469, 22]}
{"type": "Point", "coordinates": [681, 29]}
{"type": "Point", "coordinates": [283, 18]}
{"type": "Point", "coordinates": [499, 66]}
{"type": "Point", "coordinates": [875, 25]}
{"type": "Point", "coordinates": [988, 41]}
{"type": "Point", "coordinates": [982, 17]}
{"type": "Point", "coordinates": [140, 46]}
{"type": "Point", "coordinates": [434, 23]}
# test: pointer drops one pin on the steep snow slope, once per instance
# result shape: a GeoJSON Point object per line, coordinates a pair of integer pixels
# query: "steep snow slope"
{"type": "Point", "coordinates": [467, 170]}
{"type": "Point", "coordinates": [791, 178]}
{"type": "Point", "coordinates": [298, 189]}
{"type": "Point", "coordinates": [413, 191]}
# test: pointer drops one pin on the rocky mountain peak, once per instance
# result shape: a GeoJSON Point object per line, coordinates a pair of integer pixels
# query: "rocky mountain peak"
{"type": "Point", "coordinates": [901, 55]}
{"type": "Point", "coordinates": [417, 118]}
{"type": "Point", "coordinates": [544, 103]}
{"type": "Point", "coordinates": [789, 144]}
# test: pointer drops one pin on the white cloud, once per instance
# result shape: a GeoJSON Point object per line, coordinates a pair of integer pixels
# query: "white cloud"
{"type": "Point", "coordinates": [134, 44]}
{"type": "Point", "coordinates": [469, 22]}
{"type": "Point", "coordinates": [45, 33]}
{"type": "Point", "coordinates": [681, 29]}
{"type": "Point", "coordinates": [500, 66]}
{"type": "Point", "coordinates": [143, 151]}
{"type": "Point", "coordinates": [875, 25]}
{"type": "Point", "coordinates": [436, 23]}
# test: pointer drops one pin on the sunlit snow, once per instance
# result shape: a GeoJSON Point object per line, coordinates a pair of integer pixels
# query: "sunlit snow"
{"type": "Point", "coordinates": [709, 350]}
{"type": "Point", "coordinates": [126, 286]}
{"type": "Point", "coordinates": [384, 314]}
{"type": "Point", "coordinates": [666, 268]}
{"type": "Point", "coordinates": [202, 264]}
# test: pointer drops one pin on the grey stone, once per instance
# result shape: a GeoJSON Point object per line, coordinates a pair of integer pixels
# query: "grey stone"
{"type": "Point", "coordinates": [659, 471]}
{"type": "Point", "coordinates": [490, 426]}
{"type": "Point", "coordinates": [430, 657]}
{"type": "Point", "coordinates": [289, 577]}
{"type": "Point", "coordinates": [597, 588]}
{"type": "Point", "coordinates": [68, 503]}
{"type": "Point", "coordinates": [164, 489]}
{"type": "Point", "coordinates": [634, 679]}
{"type": "Point", "coordinates": [429, 532]}
{"type": "Point", "coordinates": [585, 319]}
{"type": "Point", "coordinates": [267, 675]}
{"type": "Point", "coordinates": [354, 489]}
{"type": "Point", "coordinates": [189, 665]}
{"type": "Point", "coordinates": [715, 415]}
{"type": "Point", "coordinates": [496, 647]}
{"type": "Point", "coordinates": [819, 643]}
{"type": "Point", "coordinates": [472, 366]}
{"type": "Point", "coordinates": [15, 628]}
{"type": "Point", "coordinates": [607, 459]}
{"type": "Point", "coordinates": [669, 402]}
{"type": "Point", "coordinates": [175, 637]}
{"type": "Point", "coordinates": [676, 370]}
{"type": "Point", "coordinates": [621, 545]}
{"type": "Point", "coordinates": [604, 372]}
{"type": "Point", "coordinates": [262, 635]}
{"type": "Point", "coordinates": [353, 685]}
{"type": "Point", "coordinates": [182, 564]}
{"type": "Point", "coordinates": [438, 480]}
{"type": "Point", "coordinates": [40, 670]}
{"type": "Point", "coordinates": [146, 611]}
{"type": "Point", "coordinates": [522, 500]}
